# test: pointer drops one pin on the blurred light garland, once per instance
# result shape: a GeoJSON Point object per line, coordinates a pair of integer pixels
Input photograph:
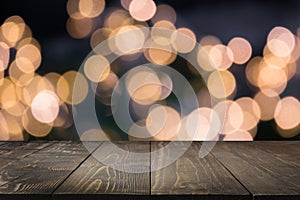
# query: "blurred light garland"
{"type": "Point", "coordinates": [34, 104]}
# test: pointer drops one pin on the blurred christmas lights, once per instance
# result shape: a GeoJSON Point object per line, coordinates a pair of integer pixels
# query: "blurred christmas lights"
{"type": "Point", "coordinates": [34, 104]}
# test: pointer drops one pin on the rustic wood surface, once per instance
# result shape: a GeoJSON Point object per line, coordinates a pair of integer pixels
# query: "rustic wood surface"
{"type": "Point", "coordinates": [13, 151]}
{"type": "Point", "coordinates": [67, 170]}
{"type": "Point", "coordinates": [42, 172]}
{"type": "Point", "coordinates": [269, 170]}
{"type": "Point", "coordinates": [93, 177]}
{"type": "Point", "coordinates": [193, 175]}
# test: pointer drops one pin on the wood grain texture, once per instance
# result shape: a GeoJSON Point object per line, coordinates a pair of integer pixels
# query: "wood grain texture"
{"type": "Point", "coordinates": [191, 175]}
{"type": "Point", "coordinates": [66, 148]}
{"type": "Point", "coordinates": [66, 170]}
{"type": "Point", "coordinates": [6, 161]}
{"type": "Point", "coordinates": [36, 145]}
{"type": "Point", "coordinates": [2, 143]}
{"type": "Point", "coordinates": [12, 145]}
{"type": "Point", "coordinates": [25, 145]}
{"type": "Point", "coordinates": [94, 177]}
{"type": "Point", "coordinates": [42, 172]}
{"type": "Point", "coordinates": [14, 151]}
{"type": "Point", "coordinates": [268, 171]}
{"type": "Point", "coordinates": [285, 151]}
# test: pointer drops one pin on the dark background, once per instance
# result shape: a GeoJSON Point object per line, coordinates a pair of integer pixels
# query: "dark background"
{"type": "Point", "coordinates": [225, 19]}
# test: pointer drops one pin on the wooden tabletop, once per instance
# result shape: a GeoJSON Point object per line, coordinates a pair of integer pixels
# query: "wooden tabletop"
{"type": "Point", "coordinates": [232, 170]}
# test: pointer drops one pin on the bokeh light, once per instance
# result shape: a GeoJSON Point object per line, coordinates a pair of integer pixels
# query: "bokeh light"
{"type": "Point", "coordinates": [203, 58]}
{"type": "Point", "coordinates": [287, 113]}
{"type": "Point", "coordinates": [221, 57]}
{"type": "Point", "coordinates": [4, 56]}
{"type": "Point", "coordinates": [162, 32]}
{"type": "Point", "coordinates": [281, 41]}
{"type": "Point", "coordinates": [73, 9]}
{"type": "Point", "coordinates": [33, 126]}
{"type": "Point", "coordinates": [14, 125]}
{"type": "Point", "coordinates": [36, 85]}
{"type": "Point", "coordinates": [118, 18]}
{"type": "Point", "coordinates": [121, 45]}
{"type": "Point", "coordinates": [142, 10]}
{"type": "Point", "coordinates": [96, 68]}
{"type": "Point", "coordinates": [203, 124]}
{"type": "Point", "coordinates": [12, 30]}
{"type": "Point", "coordinates": [4, 132]}
{"type": "Point", "coordinates": [221, 84]}
{"type": "Point", "coordinates": [18, 76]}
{"type": "Point", "coordinates": [251, 112]}
{"type": "Point", "coordinates": [27, 41]}
{"type": "Point", "coordinates": [8, 97]}
{"type": "Point", "coordinates": [241, 50]}
{"type": "Point", "coordinates": [164, 12]}
{"type": "Point", "coordinates": [17, 109]}
{"type": "Point", "coordinates": [230, 114]}
{"type": "Point", "coordinates": [271, 79]}
{"type": "Point", "coordinates": [163, 122]}
{"type": "Point", "coordinates": [65, 86]}
{"type": "Point", "coordinates": [267, 104]}
{"type": "Point", "coordinates": [253, 69]}
{"type": "Point", "coordinates": [28, 58]}
{"type": "Point", "coordinates": [45, 106]}
{"type": "Point", "coordinates": [160, 55]}
{"type": "Point", "coordinates": [97, 38]}
{"type": "Point", "coordinates": [144, 86]}
{"type": "Point", "coordinates": [183, 40]}
{"type": "Point", "coordinates": [91, 8]}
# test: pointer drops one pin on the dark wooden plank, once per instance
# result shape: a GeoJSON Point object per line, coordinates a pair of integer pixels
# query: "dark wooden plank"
{"type": "Point", "coordinates": [192, 176]}
{"type": "Point", "coordinates": [93, 177]}
{"type": "Point", "coordinates": [284, 154]}
{"type": "Point", "coordinates": [25, 145]}
{"type": "Point", "coordinates": [269, 170]}
{"type": "Point", "coordinates": [36, 145]}
{"type": "Point", "coordinates": [6, 161]}
{"type": "Point", "coordinates": [14, 151]}
{"type": "Point", "coordinates": [266, 174]}
{"type": "Point", "coordinates": [2, 143]}
{"type": "Point", "coordinates": [67, 148]}
{"type": "Point", "coordinates": [284, 151]}
{"type": "Point", "coordinates": [41, 173]}
{"type": "Point", "coordinates": [12, 145]}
